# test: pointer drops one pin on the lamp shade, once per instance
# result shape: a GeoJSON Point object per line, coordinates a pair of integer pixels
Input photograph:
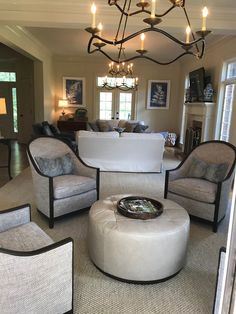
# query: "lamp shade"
{"type": "Point", "coordinates": [63, 103]}
{"type": "Point", "coordinates": [3, 108]}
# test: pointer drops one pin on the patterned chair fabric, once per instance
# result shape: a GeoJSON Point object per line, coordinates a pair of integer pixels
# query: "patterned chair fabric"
{"type": "Point", "coordinates": [36, 273]}
{"type": "Point", "coordinates": [57, 195]}
{"type": "Point", "coordinates": [202, 182]}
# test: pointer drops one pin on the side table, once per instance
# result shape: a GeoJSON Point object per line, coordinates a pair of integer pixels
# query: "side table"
{"type": "Point", "coordinates": [7, 141]}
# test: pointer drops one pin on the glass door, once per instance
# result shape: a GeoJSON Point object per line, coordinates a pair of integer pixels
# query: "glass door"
{"type": "Point", "coordinates": [116, 104]}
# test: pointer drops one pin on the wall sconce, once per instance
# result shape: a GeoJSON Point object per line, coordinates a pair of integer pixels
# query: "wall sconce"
{"type": "Point", "coordinates": [62, 103]}
{"type": "Point", "coordinates": [3, 109]}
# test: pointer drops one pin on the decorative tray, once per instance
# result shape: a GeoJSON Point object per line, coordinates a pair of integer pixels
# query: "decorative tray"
{"type": "Point", "coordinates": [139, 207]}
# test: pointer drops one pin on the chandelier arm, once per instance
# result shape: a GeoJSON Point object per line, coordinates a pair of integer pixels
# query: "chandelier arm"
{"type": "Point", "coordinates": [159, 62]}
{"type": "Point", "coordinates": [149, 12]}
{"type": "Point", "coordinates": [141, 10]}
{"type": "Point", "coordinates": [121, 18]}
{"type": "Point", "coordinates": [158, 30]}
{"type": "Point", "coordinates": [189, 24]}
{"type": "Point", "coordinates": [124, 29]}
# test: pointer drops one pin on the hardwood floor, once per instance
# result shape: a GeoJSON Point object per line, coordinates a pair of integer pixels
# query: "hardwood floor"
{"type": "Point", "coordinates": [19, 161]}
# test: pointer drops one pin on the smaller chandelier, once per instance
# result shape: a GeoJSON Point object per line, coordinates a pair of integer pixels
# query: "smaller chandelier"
{"type": "Point", "coordinates": [123, 83]}
{"type": "Point", "coordinates": [121, 75]}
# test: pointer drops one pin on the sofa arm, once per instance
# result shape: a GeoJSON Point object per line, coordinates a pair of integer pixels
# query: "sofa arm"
{"type": "Point", "coordinates": [39, 281]}
{"type": "Point", "coordinates": [83, 169]}
{"type": "Point", "coordinates": [14, 217]}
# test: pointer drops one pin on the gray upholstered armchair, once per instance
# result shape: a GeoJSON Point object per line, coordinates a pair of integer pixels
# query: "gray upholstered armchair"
{"type": "Point", "coordinates": [203, 180]}
{"type": "Point", "coordinates": [62, 182]}
{"type": "Point", "coordinates": [36, 273]}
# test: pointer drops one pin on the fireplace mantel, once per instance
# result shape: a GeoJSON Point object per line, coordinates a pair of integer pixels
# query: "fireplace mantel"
{"type": "Point", "coordinates": [203, 112]}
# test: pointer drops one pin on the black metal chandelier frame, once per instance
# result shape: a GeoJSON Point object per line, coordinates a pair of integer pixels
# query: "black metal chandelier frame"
{"type": "Point", "coordinates": [191, 48]}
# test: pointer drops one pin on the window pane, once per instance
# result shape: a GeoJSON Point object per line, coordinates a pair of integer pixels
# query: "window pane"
{"type": "Point", "coordinates": [7, 77]}
{"type": "Point", "coordinates": [227, 112]}
{"type": "Point", "coordinates": [14, 103]}
{"type": "Point", "coordinates": [105, 105]}
{"type": "Point", "coordinates": [125, 105]}
{"type": "Point", "coordinates": [231, 70]}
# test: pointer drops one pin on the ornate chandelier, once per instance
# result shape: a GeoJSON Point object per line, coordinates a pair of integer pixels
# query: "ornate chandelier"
{"type": "Point", "coordinates": [193, 45]}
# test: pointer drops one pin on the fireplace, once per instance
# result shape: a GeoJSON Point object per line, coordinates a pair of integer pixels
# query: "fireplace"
{"type": "Point", "coordinates": [197, 124]}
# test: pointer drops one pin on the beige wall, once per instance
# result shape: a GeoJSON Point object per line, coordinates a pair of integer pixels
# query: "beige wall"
{"type": "Point", "coordinates": [213, 62]}
{"type": "Point", "coordinates": [91, 67]}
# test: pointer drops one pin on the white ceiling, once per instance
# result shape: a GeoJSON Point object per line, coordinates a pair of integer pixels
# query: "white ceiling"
{"type": "Point", "coordinates": [59, 25]}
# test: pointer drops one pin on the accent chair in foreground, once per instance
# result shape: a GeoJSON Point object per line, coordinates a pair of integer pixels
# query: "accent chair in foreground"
{"type": "Point", "coordinates": [36, 273]}
{"type": "Point", "coordinates": [62, 182]}
{"type": "Point", "coordinates": [202, 181]}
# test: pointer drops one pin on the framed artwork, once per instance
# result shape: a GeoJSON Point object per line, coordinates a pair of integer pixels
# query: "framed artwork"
{"type": "Point", "coordinates": [158, 94]}
{"type": "Point", "coordinates": [74, 91]}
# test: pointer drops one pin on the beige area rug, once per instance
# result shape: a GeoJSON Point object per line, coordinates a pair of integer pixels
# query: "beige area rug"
{"type": "Point", "coordinates": [191, 291]}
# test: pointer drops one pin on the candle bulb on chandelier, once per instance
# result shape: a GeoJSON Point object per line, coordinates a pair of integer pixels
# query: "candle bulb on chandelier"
{"type": "Point", "coordinates": [142, 36]}
{"type": "Point", "coordinates": [204, 16]}
{"type": "Point", "coordinates": [153, 10]}
{"type": "Point", "coordinates": [188, 31]}
{"type": "Point", "coordinates": [100, 27]}
{"type": "Point", "coordinates": [93, 11]}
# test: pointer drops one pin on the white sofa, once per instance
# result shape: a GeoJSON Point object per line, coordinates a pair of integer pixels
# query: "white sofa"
{"type": "Point", "coordinates": [130, 152]}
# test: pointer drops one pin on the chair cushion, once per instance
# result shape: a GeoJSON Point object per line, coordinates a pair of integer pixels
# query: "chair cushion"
{"type": "Point", "coordinates": [209, 171]}
{"type": "Point", "coordinates": [194, 188]}
{"type": "Point", "coordinates": [58, 166]}
{"type": "Point", "coordinates": [26, 237]}
{"type": "Point", "coordinates": [69, 185]}
{"type": "Point", "coordinates": [197, 168]}
{"type": "Point", "coordinates": [216, 172]}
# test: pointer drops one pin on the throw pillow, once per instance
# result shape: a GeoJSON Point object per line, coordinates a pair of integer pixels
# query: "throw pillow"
{"type": "Point", "coordinates": [93, 125]}
{"type": "Point", "coordinates": [54, 167]}
{"type": "Point", "coordinates": [54, 129]}
{"type": "Point", "coordinates": [104, 126]}
{"type": "Point", "coordinates": [129, 126]}
{"type": "Point", "coordinates": [197, 169]}
{"type": "Point", "coordinates": [216, 172]}
{"type": "Point", "coordinates": [46, 129]}
{"type": "Point", "coordinates": [140, 128]}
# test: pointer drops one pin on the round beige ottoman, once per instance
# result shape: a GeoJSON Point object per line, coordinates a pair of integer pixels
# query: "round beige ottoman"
{"type": "Point", "coordinates": [138, 250]}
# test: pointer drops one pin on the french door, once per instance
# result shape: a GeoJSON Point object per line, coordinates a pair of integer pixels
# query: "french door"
{"type": "Point", "coordinates": [116, 104]}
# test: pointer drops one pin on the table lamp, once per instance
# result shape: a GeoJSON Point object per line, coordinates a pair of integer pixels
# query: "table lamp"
{"type": "Point", "coordinates": [62, 103]}
{"type": "Point", "coordinates": [3, 108]}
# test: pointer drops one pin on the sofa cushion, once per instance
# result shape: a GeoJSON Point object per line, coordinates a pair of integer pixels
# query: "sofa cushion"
{"type": "Point", "coordinates": [26, 237]}
{"type": "Point", "coordinates": [54, 129]}
{"type": "Point", "coordinates": [104, 126]}
{"type": "Point", "coordinates": [130, 126]}
{"type": "Point", "coordinates": [93, 125]}
{"type": "Point", "coordinates": [194, 188]}
{"type": "Point", "coordinates": [46, 129]}
{"type": "Point", "coordinates": [69, 185]}
{"type": "Point", "coordinates": [55, 166]}
{"type": "Point", "coordinates": [140, 128]}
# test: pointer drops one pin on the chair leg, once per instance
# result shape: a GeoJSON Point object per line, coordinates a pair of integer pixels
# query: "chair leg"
{"type": "Point", "coordinates": [215, 227]}
{"type": "Point", "coordinates": [51, 223]}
